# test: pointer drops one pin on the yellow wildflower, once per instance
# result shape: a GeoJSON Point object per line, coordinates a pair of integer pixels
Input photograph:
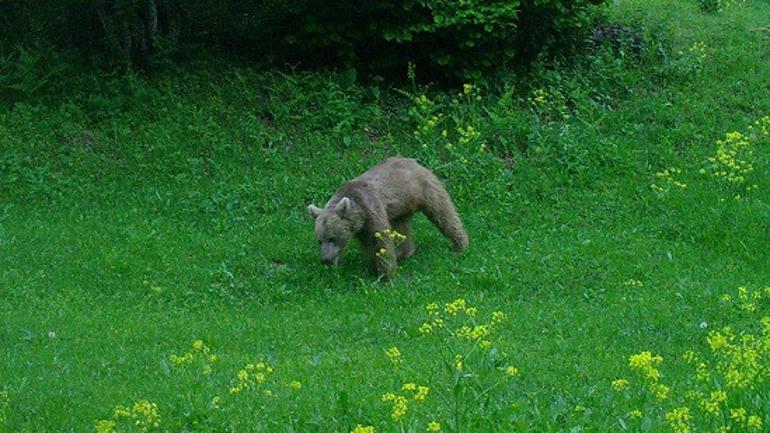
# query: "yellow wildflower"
{"type": "Point", "coordinates": [422, 393]}
{"type": "Point", "coordinates": [400, 406]}
{"type": "Point", "coordinates": [259, 377]}
{"type": "Point", "coordinates": [105, 426]}
{"type": "Point", "coordinates": [497, 317]}
{"type": "Point", "coordinates": [738, 414]}
{"type": "Point", "coordinates": [679, 419]}
{"type": "Point", "coordinates": [661, 391]}
{"type": "Point", "coordinates": [455, 307]}
{"type": "Point", "coordinates": [711, 405]}
{"type": "Point", "coordinates": [295, 384]}
{"type": "Point", "coordinates": [394, 354]}
{"type": "Point", "coordinates": [463, 332]}
{"type": "Point", "coordinates": [647, 363]}
{"type": "Point", "coordinates": [121, 412]}
{"type": "Point", "coordinates": [619, 384]}
{"type": "Point", "coordinates": [702, 372]}
{"type": "Point", "coordinates": [433, 426]}
{"type": "Point", "coordinates": [458, 362]}
{"type": "Point", "coordinates": [426, 328]}
{"type": "Point", "coordinates": [478, 331]}
{"type": "Point", "coordinates": [361, 429]}
{"type": "Point", "coordinates": [754, 422]}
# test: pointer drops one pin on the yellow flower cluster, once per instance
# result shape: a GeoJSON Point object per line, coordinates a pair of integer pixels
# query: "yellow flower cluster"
{"type": "Point", "coordinates": [106, 426]}
{"type": "Point", "coordinates": [142, 414]}
{"type": "Point", "coordinates": [647, 363]}
{"type": "Point", "coordinates": [744, 361]}
{"type": "Point", "coordinates": [732, 160]}
{"type": "Point", "coordinates": [433, 426]}
{"type": "Point", "coordinates": [458, 363]}
{"type": "Point", "coordinates": [391, 234]}
{"type": "Point", "coordinates": [400, 402]}
{"type": "Point", "coordinates": [472, 333]}
{"type": "Point", "coordinates": [200, 353]}
{"type": "Point", "coordinates": [713, 402]}
{"type": "Point", "coordinates": [396, 239]}
{"type": "Point", "coordinates": [661, 391]}
{"type": "Point", "coordinates": [619, 384]}
{"type": "Point", "coordinates": [394, 355]}
{"type": "Point", "coordinates": [468, 329]}
{"type": "Point", "coordinates": [454, 307]}
{"type": "Point", "coordinates": [361, 429]}
{"type": "Point", "coordinates": [511, 371]}
{"type": "Point", "coordinates": [747, 300]}
{"type": "Point", "coordinates": [680, 420]}
{"type": "Point", "coordinates": [539, 97]}
{"type": "Point", "coordinates": [666, 179]}
{"type": "Point", "coordinates": [754, 422]}
{"type": "Point", "coordinates": [737, 370]}
{"type": "Point", "coordinates": [467, 134]}
{"type": "Point", "coordinates": [424, 109]}
{"type": "Point", "coordinates": [250, 376]}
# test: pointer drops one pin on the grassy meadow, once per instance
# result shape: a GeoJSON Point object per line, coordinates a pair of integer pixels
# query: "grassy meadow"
{"type": "Point", "coordinates": [159, 271]}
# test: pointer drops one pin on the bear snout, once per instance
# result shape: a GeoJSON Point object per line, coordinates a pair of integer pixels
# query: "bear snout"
{"type": "Point", "coordinates": [330, 254]}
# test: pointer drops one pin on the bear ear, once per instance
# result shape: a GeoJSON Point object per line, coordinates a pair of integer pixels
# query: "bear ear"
{"type": "Point", "coordinates": [343, 206]}
{"type": "Point", "coordinates": [314, 210]}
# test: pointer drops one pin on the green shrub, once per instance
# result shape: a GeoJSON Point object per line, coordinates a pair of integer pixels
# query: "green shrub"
{"type": "Point", "coordinates": [445, 39]}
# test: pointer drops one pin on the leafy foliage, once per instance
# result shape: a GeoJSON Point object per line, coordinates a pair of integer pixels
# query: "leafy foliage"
{"type": "Point", "coordinates": [444, 38]}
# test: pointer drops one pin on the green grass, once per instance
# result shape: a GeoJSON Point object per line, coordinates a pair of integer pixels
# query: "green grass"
{"type": "Point", "coordinates": [138, 214]}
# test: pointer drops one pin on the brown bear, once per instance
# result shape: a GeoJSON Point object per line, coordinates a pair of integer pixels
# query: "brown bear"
{"type": "Point", "coordinates": [380, 201]}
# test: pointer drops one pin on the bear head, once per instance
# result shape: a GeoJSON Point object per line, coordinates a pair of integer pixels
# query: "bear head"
{"type": "Point", "coordinates": [335, 225]}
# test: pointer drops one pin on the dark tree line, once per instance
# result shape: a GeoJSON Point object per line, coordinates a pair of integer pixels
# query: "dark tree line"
{"type": "Point", "coordinates": [445, 37]}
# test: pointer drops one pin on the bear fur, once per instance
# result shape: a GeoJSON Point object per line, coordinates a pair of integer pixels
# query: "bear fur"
{"type": "Point", "coordinates": [380, 200]}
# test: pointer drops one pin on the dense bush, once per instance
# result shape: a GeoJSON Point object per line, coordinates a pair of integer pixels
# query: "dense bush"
{"type": "Point", "coordinates": [442, 38]}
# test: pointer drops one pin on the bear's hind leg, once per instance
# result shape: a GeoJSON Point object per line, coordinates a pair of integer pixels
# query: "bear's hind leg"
{"type": "Point", "coordinates": [404, 227]}
{"type": "Point", "coordinates": [441, 212]}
